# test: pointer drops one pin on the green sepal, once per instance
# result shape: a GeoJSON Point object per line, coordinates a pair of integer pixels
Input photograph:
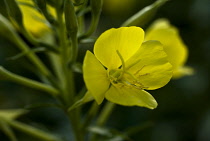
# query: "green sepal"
{"type": "Point", "coordinates": [96, 6]}
{"type": "Point", "coordinates": [3, 9]}
{"type": "Point", "coordinates": [145, 15]}
{"type": "Point", "coordinates": [42, 6]}
{"type": "Point", "coordinates": [58, 4]}
{"type": "Point", "coordinates": [14, 12]}
{"type": "Point", "coordinates": [79, 2]}
{"type": "Point", "coordinates": [70, 18]}
{"type": "Point", "coordinates": [86, 98]}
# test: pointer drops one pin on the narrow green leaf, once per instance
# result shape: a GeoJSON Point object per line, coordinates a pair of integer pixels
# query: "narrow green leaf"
{"type": "Point", "coordinates": [7, 130]}
{"type": "Point", "coordinates": [143, 16]}
{"type": "Point", "coordinates": [77, 67]}
{"type": "Point", "coordinates": [33, 131]}
{"type": "Point", "coordinates": [6, 27]}
{"type": "Point", "coordinates": [35, 50]}
{"type": "Point", "coordinates": [9, 76]}
{"type": "Point", "coordinates": [11, 114]}
{"type": "Point", "coordinates": [100, 131]}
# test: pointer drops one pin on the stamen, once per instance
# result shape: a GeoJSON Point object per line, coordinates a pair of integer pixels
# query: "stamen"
{"type": "Point", "coordinates": [139, 70]}
{"type": "Point", "coordinates": [133, 76]}
{"type": "Point", "coordinates": [134, 63]}
{"type": "Point", "coordinates": [122, 60]}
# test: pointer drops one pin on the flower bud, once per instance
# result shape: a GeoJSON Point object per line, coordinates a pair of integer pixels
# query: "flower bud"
{"type": "Point", "coordinates": [70, 18]}
{"type": "Point", "coordinates": [42, 5]}
{"type": "Point", "coordinates": [55, 3]}
{"type": "Point", "coordinates": [96, 6]}
{"type": "Point", "coordinates": [144, 15]}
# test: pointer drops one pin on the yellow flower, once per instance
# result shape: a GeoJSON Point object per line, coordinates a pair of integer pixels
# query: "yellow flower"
{"type": "Point", "coordinates": [33, 20]}
{"type": "Point", "coordinates": [176, 50]}
{"type": "Point", "coordinates": [123, 67]}
{"type": "Point", "coordinates": [116, 7]}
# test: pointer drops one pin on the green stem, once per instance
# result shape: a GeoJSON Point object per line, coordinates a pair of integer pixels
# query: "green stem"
{"type": "Point", "coordinates": [92, 112]}
{"type": "Point", "coordinates": [92, 28]}
{"type": "Point", "coordinates": [32, 131]}
{"type": "Point", "coordinates": [75, 122]}
{"type": "Point", "coordinates": [67, 84]}
{"type": "Point", "coordinates": [39, 64]}
{"type": "Point", "coordinates": [106, 112]}
{"type": "Point", "coordinates": [36, 42]}
{"type": "Point", "coordinates": [6, 75]}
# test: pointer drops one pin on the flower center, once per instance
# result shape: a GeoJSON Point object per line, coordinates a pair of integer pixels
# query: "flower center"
{"type": "Point", "coordinates": [123, 77]}
{"type": "Point", "coordinates": [115, 75]}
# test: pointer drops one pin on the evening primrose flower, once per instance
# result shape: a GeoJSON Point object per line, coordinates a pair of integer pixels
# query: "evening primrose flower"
{"type": "Point", "coordinates": [122, 67]}
{"type": "Point", "coordinates": [33, 20]}
{"type": "Point", "coordinates": [175, 48]}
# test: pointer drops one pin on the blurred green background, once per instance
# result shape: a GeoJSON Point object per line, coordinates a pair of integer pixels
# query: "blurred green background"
{"type": "Point", "coordinates": [183, 113]}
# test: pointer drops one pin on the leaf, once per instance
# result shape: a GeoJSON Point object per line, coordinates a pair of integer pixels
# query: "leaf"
{"type": "Point", "coordinates": [40, 49]}
{"type": "Point", "coordinates": [100, 131]}
{"type": "Point", "coordinates": [109, 134]}
{"type": "Point", "coordinates": [77, 67]}
{"type": "Point", "coordinates": [144, 15]}
{"type": "Point", "coordinates": [11, 114]}
{"type": "Point", "coordinates": [7, 130]}
{"type": "Point", "coordinates": [87, 98]}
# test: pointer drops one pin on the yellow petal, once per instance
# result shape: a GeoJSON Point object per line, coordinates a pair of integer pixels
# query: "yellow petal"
{"type": "Point", "coordinates": [126, 40]}
{"type": "Point", "coordinates": [129, 96]}
{"type": "Point", "coordinates": [33, 20]}
{"type": "Point", "coordinates": [169, 36]}
{"type": "Point", "coordinates": [95, 77]}
{"type": "Point", "coordinates": [150, 66]}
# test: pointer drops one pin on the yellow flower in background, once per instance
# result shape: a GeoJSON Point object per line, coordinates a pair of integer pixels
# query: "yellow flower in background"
{"type": "Point", "coordinates": [122, 67]}
{"type": "Point", "coordinates": [118, 6]}
{"type": "Point", "coordinates": [34, 21]}
{"type": "Point", "coordinates": [176, 50]}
